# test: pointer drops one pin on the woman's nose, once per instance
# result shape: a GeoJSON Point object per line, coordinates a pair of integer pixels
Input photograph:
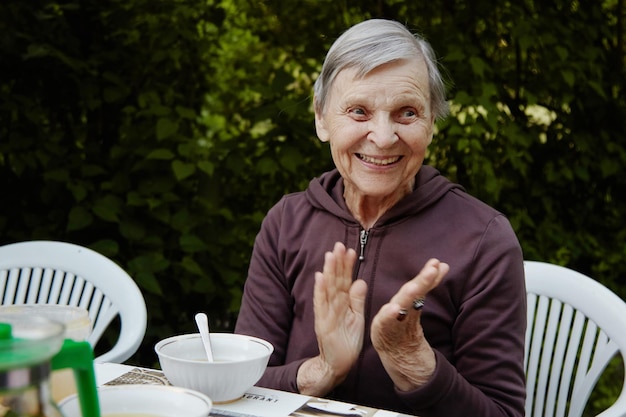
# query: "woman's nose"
{"type": "Point", "coordinates": [382, 131]}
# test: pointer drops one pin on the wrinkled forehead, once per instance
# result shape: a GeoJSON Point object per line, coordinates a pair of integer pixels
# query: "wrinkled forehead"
{"type": "Point", "coordinates": [361, 70]}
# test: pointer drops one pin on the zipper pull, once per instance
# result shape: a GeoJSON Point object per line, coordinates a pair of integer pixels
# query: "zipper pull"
{"type": "Point", "coordinates": [363, 240]}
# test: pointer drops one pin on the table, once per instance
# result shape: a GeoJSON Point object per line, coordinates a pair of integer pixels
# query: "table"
{"type": "Point", "coordinates": [257, 402]}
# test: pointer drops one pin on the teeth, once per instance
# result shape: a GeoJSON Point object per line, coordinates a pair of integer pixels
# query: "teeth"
{"type": "Point", "coordinates": [376, 161]}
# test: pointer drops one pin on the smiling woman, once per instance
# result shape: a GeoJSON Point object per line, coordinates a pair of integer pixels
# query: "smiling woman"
{"type": "Point", "coordinates": [436, 296]}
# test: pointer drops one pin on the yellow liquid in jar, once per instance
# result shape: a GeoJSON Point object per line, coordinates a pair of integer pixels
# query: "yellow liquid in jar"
{"type": "Point", "coordinates": [62, 384]}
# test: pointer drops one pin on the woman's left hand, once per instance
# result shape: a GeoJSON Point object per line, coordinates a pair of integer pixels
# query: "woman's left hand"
{"type": "Point", "coordinates": [338, 304]}
{"type": "Point", "coordinates": [397, 333]}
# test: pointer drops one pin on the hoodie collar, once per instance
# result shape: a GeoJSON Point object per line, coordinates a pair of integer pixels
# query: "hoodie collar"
{"type": "Point", "coordinates": [326, 193]}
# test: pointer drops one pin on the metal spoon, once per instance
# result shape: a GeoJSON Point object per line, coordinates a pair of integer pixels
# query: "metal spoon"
{"type": "Point", "coordinates": [202, 322]}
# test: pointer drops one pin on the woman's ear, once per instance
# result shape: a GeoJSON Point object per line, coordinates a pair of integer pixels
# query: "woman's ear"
{"type": "Point", "coordinates": [320, 127]}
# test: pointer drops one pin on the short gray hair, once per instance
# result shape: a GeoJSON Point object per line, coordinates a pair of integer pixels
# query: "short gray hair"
{"type": "Point", "coordinates": [372, 43]}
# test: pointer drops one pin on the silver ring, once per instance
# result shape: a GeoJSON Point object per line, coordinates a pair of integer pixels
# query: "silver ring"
{"type": "Point", "coordinates": [418, 303]}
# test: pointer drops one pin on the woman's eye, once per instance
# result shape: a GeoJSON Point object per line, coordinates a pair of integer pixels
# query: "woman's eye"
{"type": "Point", "coordinates": [358, 111]}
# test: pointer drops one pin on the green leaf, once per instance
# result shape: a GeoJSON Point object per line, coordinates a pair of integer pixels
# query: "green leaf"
{"type": "Point", "coordinates": [60, 175]}
{"type": "Point", "coordinates": [478, 66]}
{"type": "Point", "coordinates": [527, 41]}
{"type": "Point", "coordinates": [107, 247]}
{"type": "Point", "coordinates": [455, 54]}
{"type": "Point", "coordinates": [78, 218]}
{"type": "Point", "coordinates": [463, 144]}
{"type": "Point", "coordinates": [568, 77]}
{"type": "Point", "coordinates": [597, 87]}
{"type": "Point", "coordinates": [78, 191]}
{"type": "Point", "coordinates": [163, 154]}
{"type": "Point", "coordinates": [561, 52]}
{"type": "Point", "coordinates": [206, 167]}
{"type": "Point", "coordinates": [182, 220]}
{"type": "Point", "coordinates": [133, 231]}
{"type": "Point", "coordinates": [108, 208]}
{"type": "Point", "coordinates": [291, 159]}
{"type": "Point", "coordinates": [182, 170]}
{"type": "Point", "coordinates": [192, 243]}
{"type": "Point", "coordinates": [148, 282]}
{"type": "Point", "coordinates": [190, 265]}
{"type": "Point", "coordinates": [135, 199]}
{"type": "Point", "coordinates": [151, 262]}
{"type": "Point", "coordinates": [267, 166]}
{"type": "Point", "coordinates": [187, 149]}
{"type": "Point", "coordinates": [113, 94]}
{"type": "Point", "coordinates": [91, 170]}
{"type": "Point", "coordinates": [36, 51]}
{"type": "Point", "coordinates": [185, 112]}
{"type": "Point", "coordinates": [166, 128]}
{"type": "Point", "coordinates": [204, 286]}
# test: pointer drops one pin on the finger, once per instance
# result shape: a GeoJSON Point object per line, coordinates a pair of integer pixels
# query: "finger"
{"type": "Point", "coordinates": [428, 278]}
{"type": "Point", "coordinates": [341, 269]}
{"type": "Point", "coordinates": [329, 271]}
{"type": "Point", "coordinates": [358, 291]}
{"type": "Point", "coordinates": [392, 321]}
{"type": "Point", "coordinates": [431, 281]}
{"type": "Point", "coordinates": [347, 267]}
{"type": "Point", "coordinates": [320, 299]}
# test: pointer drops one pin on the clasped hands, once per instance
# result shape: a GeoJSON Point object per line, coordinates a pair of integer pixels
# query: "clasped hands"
{"type": "Point", "coordinates": [339, 305]}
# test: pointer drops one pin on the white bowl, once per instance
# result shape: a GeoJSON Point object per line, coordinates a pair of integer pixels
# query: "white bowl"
{"type": "Point", "coordinates": [149, 400]}
{"type": "Point", "coordinates": [239, 363]}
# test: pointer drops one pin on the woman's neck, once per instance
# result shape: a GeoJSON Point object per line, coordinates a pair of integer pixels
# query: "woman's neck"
{"type": "Point", "coordinates": [368, 209]}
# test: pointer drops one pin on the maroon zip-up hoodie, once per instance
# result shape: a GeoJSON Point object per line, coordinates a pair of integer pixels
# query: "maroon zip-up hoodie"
{"type": "Point", "coordinates": [475, 320]}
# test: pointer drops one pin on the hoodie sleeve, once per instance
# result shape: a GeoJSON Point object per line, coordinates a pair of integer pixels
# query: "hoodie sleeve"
{"type": "Point", "coordinates": [485, 374]}
{"type": "Point", "coordinates": [267, 304]}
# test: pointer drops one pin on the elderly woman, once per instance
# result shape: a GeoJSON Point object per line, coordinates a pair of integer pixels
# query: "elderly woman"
{"type": "Point", "coordinates": [332, 282]}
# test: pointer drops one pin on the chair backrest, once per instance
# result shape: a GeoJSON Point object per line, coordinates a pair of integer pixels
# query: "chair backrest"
{"type": "Point", "coordinates": [575, 327]}
{"type": "Point", "coordinates": [50, 272]}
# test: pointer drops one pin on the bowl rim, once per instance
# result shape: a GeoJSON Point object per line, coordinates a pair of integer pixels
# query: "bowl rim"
{"type": "Point", "coordinates": [173, 339]}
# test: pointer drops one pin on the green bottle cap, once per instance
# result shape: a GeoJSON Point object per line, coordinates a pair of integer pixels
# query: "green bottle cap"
{"type": "Point", "coordinates": [5, 331]}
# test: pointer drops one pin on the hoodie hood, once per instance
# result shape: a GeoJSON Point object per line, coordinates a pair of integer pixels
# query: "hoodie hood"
{"type": "Point", "coordinates": [326, 193]}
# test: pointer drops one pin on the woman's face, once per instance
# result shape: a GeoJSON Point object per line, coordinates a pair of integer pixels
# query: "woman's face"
{"type": "Point", "coordinates": [379, 127]}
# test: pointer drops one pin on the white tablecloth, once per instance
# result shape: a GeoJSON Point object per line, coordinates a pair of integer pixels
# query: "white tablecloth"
{"type": "Point", "coordinates": [258, 402]}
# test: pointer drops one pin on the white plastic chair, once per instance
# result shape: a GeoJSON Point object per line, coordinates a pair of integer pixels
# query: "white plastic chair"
{"type": "Point", "coordinates": [575, 327]}
{"type": "Point", "coordinates": [50, 272]}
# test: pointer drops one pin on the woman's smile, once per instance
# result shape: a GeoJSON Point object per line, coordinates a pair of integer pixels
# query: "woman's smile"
{"type": "Point", "coordinates": [379, 161]}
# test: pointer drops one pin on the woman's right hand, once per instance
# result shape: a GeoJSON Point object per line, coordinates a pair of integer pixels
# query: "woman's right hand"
{"type": "Point", "coordinates": [338, 303]}
{"type": "Point", "coordinates": [399, 338]}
